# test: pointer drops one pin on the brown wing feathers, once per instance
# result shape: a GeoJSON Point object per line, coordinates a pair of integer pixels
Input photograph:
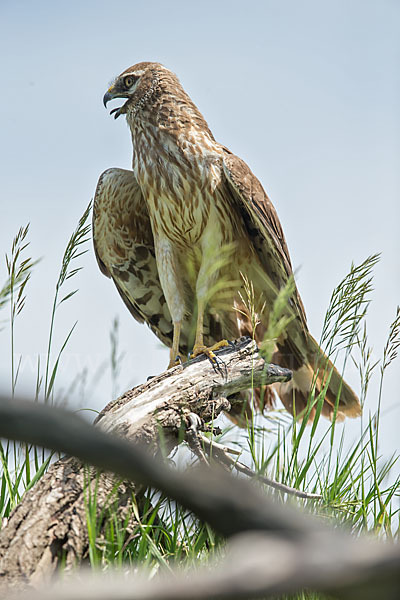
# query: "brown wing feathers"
{"type": "Point", "coordinates": [296, 348]}
{"type": "Point", "coordinates": [123, 235]}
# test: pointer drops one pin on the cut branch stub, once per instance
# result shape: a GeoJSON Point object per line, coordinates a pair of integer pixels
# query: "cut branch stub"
{"type": "Point", "coordinates": [195, 387]}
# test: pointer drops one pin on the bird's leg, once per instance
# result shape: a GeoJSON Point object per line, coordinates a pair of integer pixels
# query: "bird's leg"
{"type": "Point", "coordinates": [199, 347]}
{"type": "Point", "coordinates": [205, 279]}
{"type": "Point", "coordinates": [171, 283]}
{"type": "Point", "coordinates": [199, 342]}
{"type": "Point", "coordinates": [174, 355]}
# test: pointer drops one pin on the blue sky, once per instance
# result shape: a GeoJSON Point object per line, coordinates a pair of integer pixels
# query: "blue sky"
{"type": "Point", "coordinates": [307, 92]}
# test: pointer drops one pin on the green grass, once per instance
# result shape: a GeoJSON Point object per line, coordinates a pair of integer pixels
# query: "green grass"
{"type": "Point", "coordinates": [359, 487]}
{"type": "Point", "coordinates": [21, 464]}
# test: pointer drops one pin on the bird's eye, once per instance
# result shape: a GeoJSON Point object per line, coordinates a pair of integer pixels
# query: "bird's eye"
{"type": "Point", "coordinates": [129, 81]}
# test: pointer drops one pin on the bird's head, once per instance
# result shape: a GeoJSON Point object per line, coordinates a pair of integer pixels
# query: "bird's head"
{"type": "Point", "coordinates": [151, 88]}
{"type": "Point", "coordinates": [133, 84]}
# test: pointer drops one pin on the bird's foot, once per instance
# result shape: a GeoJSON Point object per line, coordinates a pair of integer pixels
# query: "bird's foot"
{"type": "Point", "coordinates": [208, 351]}
{"type": "Point", "coordinates": [218, 365]}
{"type": "Point", "coordinates": [175, 362]}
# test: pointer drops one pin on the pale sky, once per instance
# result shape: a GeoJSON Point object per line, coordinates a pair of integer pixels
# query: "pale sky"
{"type": "Point", "coordinates": [307, 92]}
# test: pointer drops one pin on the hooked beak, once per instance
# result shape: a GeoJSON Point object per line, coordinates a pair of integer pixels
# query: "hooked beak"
{"type": "Point", "coordinates": [111, 95]}
{"type": "Point", "coordinates": [106, 98]}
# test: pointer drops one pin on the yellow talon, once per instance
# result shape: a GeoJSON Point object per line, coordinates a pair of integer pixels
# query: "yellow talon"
{"type": "Point", "coordinates": [209, 352]}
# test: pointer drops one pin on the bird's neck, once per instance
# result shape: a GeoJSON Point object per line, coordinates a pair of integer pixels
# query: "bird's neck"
{"type": "Point", "coordinates": [176, 148]}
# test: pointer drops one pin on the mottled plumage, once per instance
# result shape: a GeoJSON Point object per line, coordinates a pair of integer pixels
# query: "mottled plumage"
{"type": "Point", "coordinates": [178, 231]}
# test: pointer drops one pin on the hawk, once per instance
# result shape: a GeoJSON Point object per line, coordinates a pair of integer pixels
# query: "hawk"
{"type": "Point", "coordinates": [182, 232]}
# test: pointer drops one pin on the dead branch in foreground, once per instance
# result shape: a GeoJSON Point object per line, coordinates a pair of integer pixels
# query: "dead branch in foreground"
{"type": "Point", "coordinates": [273, 549]}
{"type": "Point", "coordinates": [256, 565]}
{"type": "Point", "coordinates": [50, 522]}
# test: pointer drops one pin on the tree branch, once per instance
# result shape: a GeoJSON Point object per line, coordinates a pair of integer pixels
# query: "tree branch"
{"type": "Point", "coordinates": [278, 550]}
{"type": "Point", "coordinates": [51, 519]}
{"type": "Point", "coordinates": [257, 565]}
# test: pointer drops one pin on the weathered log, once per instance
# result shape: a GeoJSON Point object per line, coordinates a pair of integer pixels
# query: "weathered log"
{"type": "Point", "coordinates": [50, 524]}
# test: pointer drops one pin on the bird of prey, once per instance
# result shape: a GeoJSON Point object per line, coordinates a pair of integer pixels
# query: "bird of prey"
{"type": "Point", "coordinates": [182, 232]}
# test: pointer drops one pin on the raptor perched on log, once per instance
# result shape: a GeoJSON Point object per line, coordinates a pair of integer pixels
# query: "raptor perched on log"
{"type": "Point", "coordinates": [179, 231]}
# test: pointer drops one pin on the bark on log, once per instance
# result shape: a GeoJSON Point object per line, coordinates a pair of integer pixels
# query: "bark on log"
{"type": "Point", "coordinates": [50, 524]}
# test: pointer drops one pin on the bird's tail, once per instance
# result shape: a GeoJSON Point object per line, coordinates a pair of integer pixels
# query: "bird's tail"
{"type": "Point", "coordinates": [314, 377]}
{"type": "Point", "coordinates": [318, 373]}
